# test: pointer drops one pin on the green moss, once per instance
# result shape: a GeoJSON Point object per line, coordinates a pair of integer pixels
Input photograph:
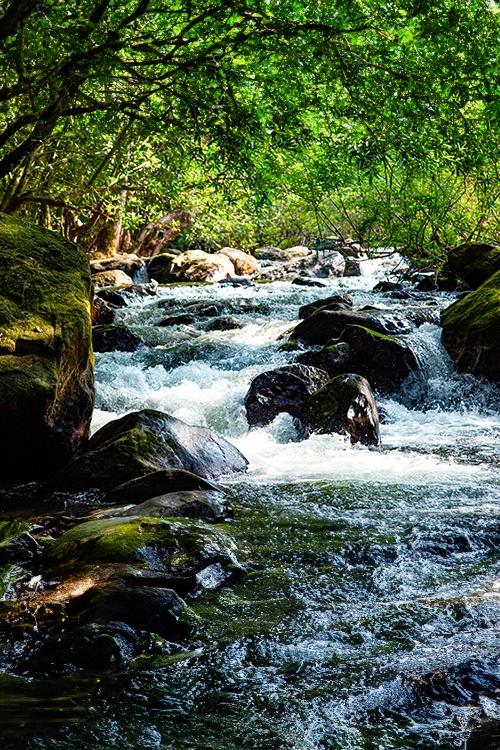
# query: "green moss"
{"type": "Point", "coordinates": [375, 335]}
{"type": "Point", "coordinates": [477, 312]}
{"type": "Point", "coordinates": [10, 529]}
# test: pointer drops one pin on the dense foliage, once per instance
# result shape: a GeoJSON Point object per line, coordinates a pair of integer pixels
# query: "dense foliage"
{"type": "Point", "coordinates": [268, 118]}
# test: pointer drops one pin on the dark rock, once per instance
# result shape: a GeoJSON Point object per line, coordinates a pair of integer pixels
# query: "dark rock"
{"type": "Point", "coordinates": [177, 320]}
{"type": "Point", "coordinates": [335, 302]}
{"type": "Point", "coordinates": [157, 610]}
{"type": "Point", "coordinates": [388, 286]}
{"type": "Point", "coordinates": [224, 324]}
{"type": "Point", "coordinates": [457, 685]}
{"type": "Point", "coordinates": [149, 289]}
{"type": "Point", "coordinates": [112, 297]}
{"type": "Point", "coordinates": [471, 330]}
{"type": "Point", "coordinates": [385, 361]}
{"type": "Point", "coordinates": [209, 505]}
{"type": "Point", "coordinates": [102, 312]}
{"type": "Point", "coordinates": [345, 405]}
{"type": "Point", "coordinates": [474, 262]}
{"type": "Point", "coordinates": [146, 441]}
{"type": "Point", "coordinates": [160, 268]}
{"type": "Point", "coordinates": [352, 267]}
{"type": "Point", "coordinates": [114, 338]}
{"type": "Point", "coordinates": [424, 281]}
{"type": "Point", "coordinates": [325, 325]}
{"type": "Point", "coordinates": [158, 483]}
{"type": "Point", "coordinates": [46, 378]}
{"type": "Point", "coordinates": [285, 389]}
{"type": "Point", "coordinates": [485, 737]}
{"type": "Point", "coordinates": [307, 281]}
{"type": "Point", "coordinates": [332, 359]}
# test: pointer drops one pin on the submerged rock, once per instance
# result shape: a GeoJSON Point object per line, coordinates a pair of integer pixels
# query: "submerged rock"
{"type": "Point", "coordinates": [471, 330]}
{"type": "Point", "coordinates": [146, 441]}
{"type": "Point", "coordinates": [285, 389]}
{"type": "Point", "coordinates": [46, 378]}
{"type": "Point", "coordinates": [345, 405]}
{"type": "Point", "coordinates": [385, 361]}
{"type": "Point", "coordinates": [329, 324]}
{"type": "Point", "coordinates": [474, 262]}
{"type": "Point", "coordinates": [224, 324]}
{"type": "Point", "coordinates": [114, 338]}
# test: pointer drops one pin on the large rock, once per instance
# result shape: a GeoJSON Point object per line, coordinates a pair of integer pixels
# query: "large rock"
{"type": "Point", "coordinates": [160, 268]}
{"type": "Point", "coordinates": [332, 359]}
{"type": "Point", "coordinates": [197, 265]}
{"type": "Point", "coordinates": [345, 405]}
{"type": "Point", "coordinates": [159, 483]}
{"type": "Point", "coordinates": [471, 329]}
{"type": "Point", "coordinates": [112, 279]}
{"type": "Point", "coordinates": [129, 264]}
{"type": "Point", "coordinates": [333, 264]}
{"type": "Point", "coordinates": [211, 506]}
{"type": "Point", "coordinates": [329, 324]}
{"type": "Point", "coordinates": [46, 377]}
{"type": "Point", "coordinates": [244, 263]}
{"type": "Point", "coordinates": [285, 389]}
{"type": "Point", "coordinates": [385, 360]}
{"type": "Point", "coordinates": [146, 441]}
{"type": "Point", "coordinates": [335, 302]}
{"type": "Point", "coordinates": [474, 262]}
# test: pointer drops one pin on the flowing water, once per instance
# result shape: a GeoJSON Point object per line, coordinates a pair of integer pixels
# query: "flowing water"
{"type": "Point", "coordinates": [368, 570]}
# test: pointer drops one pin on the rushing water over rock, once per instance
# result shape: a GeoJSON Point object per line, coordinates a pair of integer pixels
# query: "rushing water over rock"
{"type": "Point", "coordinates": [369, 615]}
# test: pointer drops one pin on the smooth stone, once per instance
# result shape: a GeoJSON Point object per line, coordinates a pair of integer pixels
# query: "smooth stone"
{"type": "Point", "coordinates": [159, 483]}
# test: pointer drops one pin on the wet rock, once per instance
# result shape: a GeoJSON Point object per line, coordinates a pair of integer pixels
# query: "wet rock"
{"type": "Point", "coordinates": [324, 325]}
{"type": "Point", "coordinates": [424, 281]}
{"type": "Point", "coordinates": [146, 441]}
{"type": "Point", "coordinates": [335, 302]}
{"type": "Point", "coordinates": [345, 405]}
{"type": "Point", "coordinates": [332, 359]}
{"type": "Point", "coordinates": [208, 505]}
{"type": "Point", "coordinates": [112, 297]}
{"type": "Point", "coordinates": [129, 264]}
{"type": "Point", "coordinates": [197, 265]}
{"type": "Point", "coordinates": [388, 286]}
{"type": "Point", "coordinates": [224, 324]}
{"type": "Point", "coordinates": [458, 685]}
{"type": "Point", "coordinates": [385, 361]}
{"type": "Point", "coordinates": [151, 608]}
{"type": "Point", "coordinates": [474, 262]}
{"type": "Point", "coordinates": [307, 281]}
{"type": "Point", "coordinates": [285, 389]}
{"type": "Point", "coordinates": [112, 280]}
{"type": "Point", "coordinates": [114, 338]}
{"type": "Point", "coordinates": [150, 289]}
{"type": "Point", "coordinates": [244, 263]}
{"type": "Point", "coordinates": [470, 330]}
{"type": "Point", "coordinates": [352, 267]}
{"type": "Point", "coordinates": [485, 737]}
{"type": "Point", "coordinates": [160, 268]}
{"type": "Point", "coordinates": [177, 320]}
{"type": "Point", "coordinates": [16, 544]}
{"type": "Point", "coordinates": [332, 265]}
{"type": "Point", "coordinates": [158, 483]}
{"type": "Point", "coordinates": [103, 313]}
{"type": "Point", "coordinates": [46, 378]}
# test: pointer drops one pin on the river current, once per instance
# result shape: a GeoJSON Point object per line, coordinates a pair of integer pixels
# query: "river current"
{"type": "Point", "coordinates": [368, 619]}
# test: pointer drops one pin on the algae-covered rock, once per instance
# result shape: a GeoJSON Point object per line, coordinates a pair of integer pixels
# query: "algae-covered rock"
{"type": "Point", "coordinates": [474, 262]}
{"type": "Point", "coordinates": [159, 483]}
{"type": "Point", "coordinates": [385, 361]}
{"type": "Point", "coordinates": [471, 330]}
{"type": "Point", "coordinates": [285, 389]}
{"type": "Point", "coordinates": [179, 551]}
{"type": "Point", "coordinates": [326, 324]}
{"type": "Point", "coordinates": [46, 378]}
{"type": "Point", "coordinates": [345, 405]}
{"type": "Point", "coordinates": [332, 359]}
{"type": "Point", "coordinates": [146, 441]}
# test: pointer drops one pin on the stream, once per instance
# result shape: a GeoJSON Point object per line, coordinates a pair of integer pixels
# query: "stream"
{"type": "Point", "coordinates": [368, 618]}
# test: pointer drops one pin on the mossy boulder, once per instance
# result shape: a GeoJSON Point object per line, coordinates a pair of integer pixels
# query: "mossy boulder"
{"type": "Point", "coordinates": [332, 359]}
{"type": "Point", "coordinates": [159, 483]}
{"type": "Point", "coordinates": [146, 441]}
{"type": "Point", "coordinates": [324, 325]}
{"type": "Point", "coordinates": [345, 405]}
{"type": "Point", "coordinates": [474, 262]}
{"type": "Point", "coordinates": [46, 376]}
{"type": "Point", "coordinates": [335, 302]}
{"type": "Point", "coordinates": [471, 330]}
{"type": "Point", "coordinates": [386, 361]}
{"type": "Point", "coordinates": [285, 389]}
{"type": "Point", "coordinates": [210, 506]}
{"type": "Point", "coordinates": [169, 552]}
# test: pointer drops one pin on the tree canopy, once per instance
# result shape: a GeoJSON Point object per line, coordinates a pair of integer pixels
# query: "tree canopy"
{"type": "Point", "coordinates": [260, 115]}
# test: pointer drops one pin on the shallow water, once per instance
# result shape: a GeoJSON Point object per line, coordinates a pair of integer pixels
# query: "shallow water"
{"type": "Point", "coordinates": [366, 568]}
